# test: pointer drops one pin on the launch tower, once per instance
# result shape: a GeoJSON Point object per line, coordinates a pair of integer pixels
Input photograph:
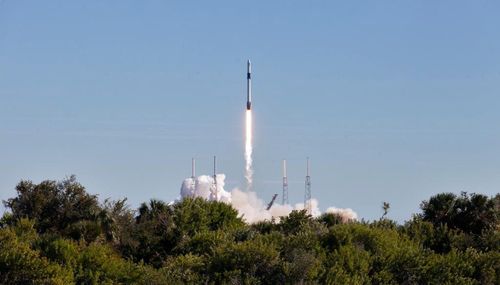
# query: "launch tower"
{"type": "Point", "coordinates": [307, 195]}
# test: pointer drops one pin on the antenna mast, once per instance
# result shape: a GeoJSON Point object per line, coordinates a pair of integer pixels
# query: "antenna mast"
{"type": "Point", "coordinates": [307, 196]}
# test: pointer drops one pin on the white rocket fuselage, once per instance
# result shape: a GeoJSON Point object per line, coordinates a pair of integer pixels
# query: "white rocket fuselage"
{"type": "Point", "coordinates": [249, 85]}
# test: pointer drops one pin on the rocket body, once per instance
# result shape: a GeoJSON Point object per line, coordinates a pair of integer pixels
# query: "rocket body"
{"type": "Point", "coordinates": [249, 85]}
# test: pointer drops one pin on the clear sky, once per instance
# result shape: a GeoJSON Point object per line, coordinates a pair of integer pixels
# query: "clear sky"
{"type": "Point", "coordinates": [393, 100]}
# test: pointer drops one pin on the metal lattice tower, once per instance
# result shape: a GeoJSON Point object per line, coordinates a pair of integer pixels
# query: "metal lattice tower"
{"type": "Point", "coordinates": [285, 184]}
{"type": "Point", "coordinates": [214, 185]}
{"type": "Point", "coordinates": [307, 195]}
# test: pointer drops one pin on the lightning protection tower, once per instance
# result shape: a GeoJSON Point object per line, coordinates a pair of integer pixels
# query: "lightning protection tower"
{"type": "Point", "coordinates": [307, 195]}
{"type": "Point", "coordinates": [214, 185]}
{"type": "Point", "coordinates": [285, 184]}
{"type": "Point", "coordinates": [193, 172]}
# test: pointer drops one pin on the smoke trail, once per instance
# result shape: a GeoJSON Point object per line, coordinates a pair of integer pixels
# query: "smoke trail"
{"type": "Point", "coordinates": [250, 207]}
{"type": "Point", "coordinates": [248, 150]}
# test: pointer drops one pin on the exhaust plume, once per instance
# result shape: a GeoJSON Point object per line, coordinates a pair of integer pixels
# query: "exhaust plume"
{"type": "Point", "coordinates": [250, 207]}
{"type": "Point", "coordinates": [248, 150]}
{"type": "Point", "coordinates": [346, 214]}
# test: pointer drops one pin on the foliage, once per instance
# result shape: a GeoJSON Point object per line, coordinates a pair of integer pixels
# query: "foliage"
{"type": "Point", "coordinates": [57, 233]}
{"type": "Point", "coordinates": [246, 262]}
{"type": "Point", "coordinates": [55, 206]}
{"type": "Point", "coordinates": [470, 213]}
{"type": "Point", "coordinates": [21, 264]}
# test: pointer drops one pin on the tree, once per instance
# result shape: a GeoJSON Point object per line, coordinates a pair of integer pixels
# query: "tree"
{"type": "Point", "coordinates": [54, 206]}
{"type": "Point", "coordinates": [194, 215]}
{"type": "Point", "coordinates": [302, 256]}
{"type": "Point", "coordinates": [153, 235]}
{"type": "Point", "coordinates": [385, 207]}
{"type": "Point", "coordinates": [20, 264]}
{"type": "Point", "coordinates": [100, 264]}
{"type": "Point", "coordinates": [186, 269]}
{"type": "Point", "coordinates": [295, 221]}
{"type": "Point", "coordinates": [56, 233]}
{"type": "Point", "coordinates": [471, 213]}
{"type": "Point", "coordinates": [348, 264]}
{"type": "Point", "coordinates": [117, 221]}
{"type": "Point", "coordinates": [248, 262]}
{"type": "Point", "coordinates": [330, 219]}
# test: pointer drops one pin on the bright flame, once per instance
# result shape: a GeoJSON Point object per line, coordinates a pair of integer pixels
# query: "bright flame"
{"type": "Point", "coordinates": [248, 150]}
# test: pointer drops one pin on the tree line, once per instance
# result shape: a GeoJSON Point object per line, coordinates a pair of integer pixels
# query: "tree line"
{"type": "Point", "coordinates": [55, 232]}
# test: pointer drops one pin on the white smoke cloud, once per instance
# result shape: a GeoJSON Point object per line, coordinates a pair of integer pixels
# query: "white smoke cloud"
{"type": "Point", "coordinates": [346, 214]}
{"type": "Point", "coordinates": [251, 208]}
{"type": "Point", "coordinates": [202, 186]}
{"type": "Point", "coordinates": [315, 212]}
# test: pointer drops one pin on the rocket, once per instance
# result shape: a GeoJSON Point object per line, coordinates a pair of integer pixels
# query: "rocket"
{"type": "Point", "coordinates": [249, 85]}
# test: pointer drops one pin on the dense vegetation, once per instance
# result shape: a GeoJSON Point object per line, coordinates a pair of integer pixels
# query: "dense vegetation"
{"type": "Point", "coordinates": [57, 233]}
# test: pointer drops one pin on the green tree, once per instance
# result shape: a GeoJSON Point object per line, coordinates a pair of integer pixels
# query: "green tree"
{"type": "Point", "coordinates": [194, 215]}
{"type": "Point", "coordinates": [249, 262]}
{"type": "Point", "coordinates": [20, 264]}
{"type": "Point", "coordinates": [54, 206]}
{"type": "Point", "coordinates": [471, 213]}
{"type": "Point", "coordinates": [153, 235]}
{"type": "Point", "coordinates": [349, 264]}
{"type": "Point", "coordinates": [295, 222]}
{"type": "Point", "coordinates": [385, 207]}
{"type": "Point", "coordinates": [330, 219]}
{"type": "Point", "coordinates": [117, 221]}
{"type": "Point", "coordinates": [186, 269]}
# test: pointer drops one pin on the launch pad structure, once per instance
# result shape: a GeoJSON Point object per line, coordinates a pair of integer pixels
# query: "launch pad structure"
{"type": "Point", "coordinates": [214, 184]}
{"type": "Point", "coordinates": [193, 172]}
{"type": "Point", "coordinates": [307, 194]}
{"type": "Point", "coordinates": [284, 197]}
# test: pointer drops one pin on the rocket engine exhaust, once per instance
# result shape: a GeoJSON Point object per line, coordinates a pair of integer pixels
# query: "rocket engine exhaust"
{"type": "Point", "coordinates": [248, 150]}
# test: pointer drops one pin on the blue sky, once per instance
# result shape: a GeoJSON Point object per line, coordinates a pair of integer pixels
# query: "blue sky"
{"type": "Point", "coordinates": [393, 100]}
